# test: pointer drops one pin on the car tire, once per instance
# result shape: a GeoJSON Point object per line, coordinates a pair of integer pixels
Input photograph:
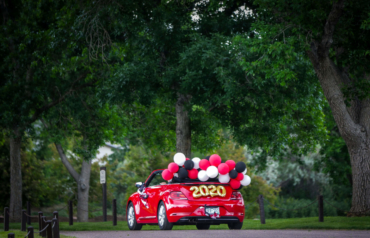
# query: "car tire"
{"type": "Point", "coordinates": [203, 226]}
{"type": "Point", "coordinates": [131, 218]}
{"type": "Point", "coordinates": [235, 225]}
{"type": "Point", "coordinates": [163, 222]}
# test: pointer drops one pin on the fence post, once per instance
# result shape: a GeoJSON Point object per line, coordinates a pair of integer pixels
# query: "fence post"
{"type": "Point", "coordinates": [30, 231]}
{"type": "Point", "coordinates": [114, 212]}
{"type": "Point", "coordinates": [43, 225]}
{"type": "Point", "coordinates": [11, 235]}
{"type": "Point", "coordinates": [56, 228]}
{"type": "Point", "coordinates": [28, 213]}
{"type": "Point", "coordinates": [321, 208]}
{"type": "Point", "coordinates": [6, 218]}
{"type": "Point", "coordinates": [23, 220]}
{"type": "Point", "coordinates": [70, 213]}
{"type": "Point", "coordinates": [40, 224]}
{"type": "Point", "coordinates": [49, 233]}
{"type": "Point", "coordinates": [262, 209]}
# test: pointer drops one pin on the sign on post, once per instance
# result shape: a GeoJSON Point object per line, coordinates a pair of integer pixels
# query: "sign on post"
{"type": "Point", "coordinates": [102, 176]}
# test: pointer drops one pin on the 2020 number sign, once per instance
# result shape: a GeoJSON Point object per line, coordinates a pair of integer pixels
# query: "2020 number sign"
{"type": "Point", "coordinates": [211, 190]}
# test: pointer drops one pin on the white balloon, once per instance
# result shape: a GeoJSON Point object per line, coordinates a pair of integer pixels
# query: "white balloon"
{"type": "Point", "coordinates": [224, 178]}
{"type": "Point", "coordinates": [179, 159]}
{"type": "Point", "coordinates": [212, 171]}
{"type": "Point", "coordinates": [202, 176]}
{"type": "Point", "coordinates": [246, 180]}
{"type": "Point", "coordinates": [196, 161]}
{"type": "Point", "coordinates": [245, 171]}
{"type": "Point", "coordinates": [176, 175]}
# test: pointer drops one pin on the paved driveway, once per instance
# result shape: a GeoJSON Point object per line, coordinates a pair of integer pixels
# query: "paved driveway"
{"type": "Point", "coordinates": [221, 234]}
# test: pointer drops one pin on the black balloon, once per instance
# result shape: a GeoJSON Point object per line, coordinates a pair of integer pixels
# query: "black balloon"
{"type": "Point", "coordinates": [189, 164]}
{"type": "Point", "coordinates": [183, 173]}
{"type": "Point", "coordinates": [233, 174]}
{"type": "Point", "coordinates": [241, 186]}
{"type": "Point", "coordinates": [207, 157]}
{"type": "Point", "coordinates": [240, 167]}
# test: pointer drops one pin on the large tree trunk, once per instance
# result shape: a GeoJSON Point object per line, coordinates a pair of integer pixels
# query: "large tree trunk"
{"type": "Point", "coordinates": [83, 192]}
{"type": "Point", "coordinates": [183, 131]}
{"type": "Point", "coordinates": [353, 121]}
{"type": "Point", "coordinates": [83, 184]}
{"type": "Point", "coordinates": [360, 162]}
{"type": "Point", "coordinates": [15, 176]}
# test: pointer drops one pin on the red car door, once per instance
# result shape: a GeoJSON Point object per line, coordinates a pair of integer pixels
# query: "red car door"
{"type": "Point", "coordinates": [152, 196]}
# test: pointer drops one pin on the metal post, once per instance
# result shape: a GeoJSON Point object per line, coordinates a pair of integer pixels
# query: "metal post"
{"type": "Point", "coordinates": [114, 212]}
{"type": "Point", "coordinates": [30, 231]}
{"type": "Point", "coordinates": [6, 218]}
{"type": "Point", "coordinates": [321, 208]}
{"type": "Point", "coordinates": [23, 220]}
{"type": "Point", "coordinates": [49, 229]}
{"type": "Point", "coordinates": [104, 184]}
{"type": "Point", "coordinates": [11, 235]}
{"type": "Point", "coordinates": [28, 213]}
{"type": "Point", "coordinates": [70, 213]}
{"type": "Point", "coordinates": [262, 209]}
{"type": "Point", "coordinates": [43, 225]}
{"type": "Point", "coordinates": [56, 228]}
{"type": "Point", "coordinates": [40, 218]}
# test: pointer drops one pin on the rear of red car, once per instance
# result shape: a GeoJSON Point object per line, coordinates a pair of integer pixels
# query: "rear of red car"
{"type": "Point", "coordinates": [203, 202]}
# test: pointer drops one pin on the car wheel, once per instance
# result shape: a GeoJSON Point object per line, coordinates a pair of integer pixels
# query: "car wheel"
{"type": "Point", "coordinates": [203, 226]}
{"type": "Point", "coordinates": [235, 225]}
{"type": "Point", "coordinates": [163, 222]}
{"type": "Point", "coordinates": [131, 219]}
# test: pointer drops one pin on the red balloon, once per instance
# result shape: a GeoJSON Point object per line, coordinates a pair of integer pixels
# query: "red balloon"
{"type": "Point", "coordinates": [215, 160]}
{"type": "Point", "coordinates": [187, 159]}
{"type": "Point", "coordinates": [231, 164]}
{"type": "Point", "coordinates": [223, 169]}
{"type": "Point", "coordinates": [167, 175]}
{"type": "Point", "coordinates": [235, 184]}
{"type": "Point", "coordinates": [173, 167]}
{"type": "Point", "coordinates": [193, 174]}
{"type": "Point", "coordinates": [240, 177]}
{"type": "Point", "coordinates": [204, 164]}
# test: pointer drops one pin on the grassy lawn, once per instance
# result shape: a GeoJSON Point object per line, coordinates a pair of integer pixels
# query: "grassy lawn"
{"type": "Point", "coordinates": [21, 234]}
{"type": "Point", "coordinates": [337, 223]}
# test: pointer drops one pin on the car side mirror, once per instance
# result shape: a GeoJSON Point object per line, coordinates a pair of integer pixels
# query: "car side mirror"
{"type": "Point", "coordinates": [139, 184]}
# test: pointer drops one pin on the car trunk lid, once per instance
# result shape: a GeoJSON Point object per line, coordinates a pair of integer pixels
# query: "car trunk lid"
{"type": "Point", "coordinates": [210, 191]}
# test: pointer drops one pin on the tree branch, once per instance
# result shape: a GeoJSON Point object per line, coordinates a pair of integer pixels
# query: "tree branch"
{"type": "Point", "coordinates": [331, 21]}
{"type": "Point", "coordinates": [46, 107]}
{"type": "Point", "coordinates": [66, 163]}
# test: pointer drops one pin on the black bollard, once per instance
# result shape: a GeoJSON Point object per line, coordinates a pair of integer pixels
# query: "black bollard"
{"type": "Point", "coordinates": [28, 213]}
{"type": "Point", "coordinates": [43, 225]}
{"type": "Point", "coordinates": [6, 218]}
{"type": "Point", "coordinates": [321, 208]}
{"type": "Point", "coordinates": [11, 235]}
{"type": "Point", "coordinates": [23, 221]}
{"type": "Point", "coordinates": [56, 228]}
{"type": "Point", "coordinates": [114, 212]}
{"type": "Point", "coordinates": [40, 224]}
{"type": "Point", "coordinates": [70, 213]}
{"type": "Point", "coordinates": [49, 229]}
{"type": "Point", "coordinates": [262, 209]}
{"type": "Point", "coordinates": [30, 232]}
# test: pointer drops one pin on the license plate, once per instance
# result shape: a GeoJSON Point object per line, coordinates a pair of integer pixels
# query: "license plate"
{"type": "Point", "coordinates": [213, 210]}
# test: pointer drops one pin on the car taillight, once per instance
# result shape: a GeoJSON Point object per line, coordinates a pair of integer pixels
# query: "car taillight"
{"type": "Point", "coordinates": [236, 196]}
{"type": "Point", "coordinates": [177, 196]}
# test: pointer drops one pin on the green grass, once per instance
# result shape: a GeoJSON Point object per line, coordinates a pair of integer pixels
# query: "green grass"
{"type": "Point", "coordinates": [21, 234]}
{"type": "Point", "coordinates": [337, 223]}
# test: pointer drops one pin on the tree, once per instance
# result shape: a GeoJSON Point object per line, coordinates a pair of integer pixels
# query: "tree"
{"type": "Point", "coordinates": [40, 47]}
{"type": "Point", "coordinates": [332, 36]}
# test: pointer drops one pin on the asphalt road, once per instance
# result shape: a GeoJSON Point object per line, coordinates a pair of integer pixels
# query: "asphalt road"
{"type": "Point", "coordinates": [222, 234]}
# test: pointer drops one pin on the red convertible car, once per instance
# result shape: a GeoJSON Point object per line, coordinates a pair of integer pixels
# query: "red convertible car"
{"type": "Point", "coordinates": [184, 202]}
